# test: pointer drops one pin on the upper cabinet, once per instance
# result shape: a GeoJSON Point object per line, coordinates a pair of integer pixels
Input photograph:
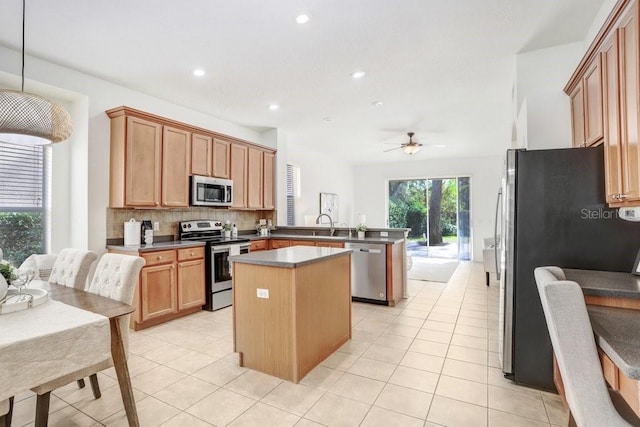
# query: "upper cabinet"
{"type": "Point", "coordinates": [201, 155]}
{"type": "Point", "coordinates": [607, 81]}
{"type": "Point", "coordinates": [152, 159]}
{"type": "Point", "coordinates": [221, 158]}
{"type": "Point", "coordinates": [586, 108]}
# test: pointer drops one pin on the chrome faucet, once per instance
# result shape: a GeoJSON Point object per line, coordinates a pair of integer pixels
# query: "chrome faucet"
{"type": "Point", "coordinates": [348, 228]}
{"type": "Point", "coordinates": [331, 230]}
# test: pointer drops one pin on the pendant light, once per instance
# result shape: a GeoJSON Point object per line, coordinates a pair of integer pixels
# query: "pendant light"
{"type": "Point", "coordinates": [29, 119]}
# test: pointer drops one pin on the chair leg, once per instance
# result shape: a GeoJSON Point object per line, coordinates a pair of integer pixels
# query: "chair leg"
{"type": "Point", "coordinates": [81, 383]}
{"type": "Point", "coordinates": [488, 277]}
{"type": "Point", "coordinates": [42, 409]}
{"type": "Point", "coordinates": [95, 386]}
{"type": "Point", "coordinates": [5, 420]}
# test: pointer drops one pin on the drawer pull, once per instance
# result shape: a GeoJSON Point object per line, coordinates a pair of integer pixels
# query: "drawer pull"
{"type": "Point", "coordinates": [159, 257]}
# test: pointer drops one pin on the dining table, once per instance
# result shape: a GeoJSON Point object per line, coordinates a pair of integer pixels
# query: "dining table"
{"type": "Point", "coordinates": [89, 316]}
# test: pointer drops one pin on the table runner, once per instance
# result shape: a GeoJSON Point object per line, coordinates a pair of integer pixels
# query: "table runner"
{"type": "Point", "coordinates": [41, 344]}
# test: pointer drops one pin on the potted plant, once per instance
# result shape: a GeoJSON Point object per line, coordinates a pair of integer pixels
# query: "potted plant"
{"type": "Point", "coordinates": [361, 228]}
{"type": "Point", "coordinates": [226, 229]}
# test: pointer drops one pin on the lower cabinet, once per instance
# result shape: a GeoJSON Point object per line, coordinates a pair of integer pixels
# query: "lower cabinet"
{"type": "Point", "coordinates": [170, 285]}
{"type": "Point", "coordinates": [259, 245]}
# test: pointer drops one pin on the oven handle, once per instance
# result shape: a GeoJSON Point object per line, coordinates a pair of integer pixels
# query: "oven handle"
{"type": "Point", "coordinates": [226, 248]}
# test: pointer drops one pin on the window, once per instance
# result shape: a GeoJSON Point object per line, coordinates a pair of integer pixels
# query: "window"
{"type": "Point", "coordinates": [293, 191]}
{"type": "Point", "coordinates": [22, 201]}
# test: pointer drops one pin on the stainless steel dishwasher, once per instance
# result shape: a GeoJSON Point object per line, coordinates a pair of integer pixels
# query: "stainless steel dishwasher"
{"type": "Point", "coordinates": [368, 272]}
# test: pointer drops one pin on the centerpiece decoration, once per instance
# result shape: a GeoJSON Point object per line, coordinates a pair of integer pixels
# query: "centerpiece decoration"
{"type": "Point", "coordinates": [226, 229]}
{"type": "Point", "coordinates": [361, 228]}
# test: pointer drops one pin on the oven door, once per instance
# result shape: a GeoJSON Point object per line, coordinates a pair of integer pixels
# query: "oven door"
{"type": "Point", "coordinates": [221, 267]}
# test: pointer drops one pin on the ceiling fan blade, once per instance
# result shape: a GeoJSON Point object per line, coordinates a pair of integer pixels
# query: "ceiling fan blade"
{"type": "Point", "coordinates": [391, 149]}
{"type": "Point", "coordinates": [393, 143]}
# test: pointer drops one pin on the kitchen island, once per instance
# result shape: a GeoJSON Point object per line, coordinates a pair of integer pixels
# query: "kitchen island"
{"type": "Point", "coordinates": [291, 308]}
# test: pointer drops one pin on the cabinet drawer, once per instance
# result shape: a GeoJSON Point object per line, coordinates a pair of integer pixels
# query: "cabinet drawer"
{"type": "Point", "coordinates": [302, 243]}
{"type": "Point", "coordinates": [190, 253]}
{"type": "Point", "coordinates": [160, 257]}
{"type": "Point", "coordinates": [276, 244]}
{"type": "Point", "coordinates": [259, 245]}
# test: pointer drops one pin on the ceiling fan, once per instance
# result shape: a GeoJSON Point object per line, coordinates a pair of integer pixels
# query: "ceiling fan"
{"type": "Point", "coordinates": [411, 147]}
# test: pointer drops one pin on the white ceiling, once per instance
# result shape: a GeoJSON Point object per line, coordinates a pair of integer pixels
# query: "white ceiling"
{"type": "Point", "coordinates": [443, 68]}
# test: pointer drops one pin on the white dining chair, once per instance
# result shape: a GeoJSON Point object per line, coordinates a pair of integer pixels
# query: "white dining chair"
{"type": "Point", "coordinates": [72, 267]}
{"type": "Point", "coordinates": [115, 277]}
{"type": "Point", "coordinates": [575, 349]}
{"type": "Point", "coordinates": [40, 264]}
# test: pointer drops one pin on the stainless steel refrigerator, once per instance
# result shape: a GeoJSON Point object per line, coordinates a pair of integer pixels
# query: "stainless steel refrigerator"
{"type": "Point", "coordinates": [554, 213]}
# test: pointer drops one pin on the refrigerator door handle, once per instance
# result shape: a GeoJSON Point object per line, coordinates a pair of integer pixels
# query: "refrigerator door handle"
{"type": "Point", "coordinates": [496, 242]}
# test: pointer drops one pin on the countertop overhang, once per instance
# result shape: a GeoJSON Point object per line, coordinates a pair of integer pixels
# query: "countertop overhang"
{"type": "Point", "coordinates": [291, 257]}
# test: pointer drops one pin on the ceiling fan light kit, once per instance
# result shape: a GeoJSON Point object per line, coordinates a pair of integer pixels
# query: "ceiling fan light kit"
{"type": "Point", "coordinates": [26, 118]}
{"type": "Point", "coordinates": [411, 149]}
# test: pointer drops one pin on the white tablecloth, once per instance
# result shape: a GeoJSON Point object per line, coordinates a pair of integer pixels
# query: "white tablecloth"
{"type": "Point", "coordinates": [43, 343]}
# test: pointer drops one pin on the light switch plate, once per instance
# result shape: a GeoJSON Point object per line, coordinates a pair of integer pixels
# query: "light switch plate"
{"type": "Point", "coordinates": [263, 293]}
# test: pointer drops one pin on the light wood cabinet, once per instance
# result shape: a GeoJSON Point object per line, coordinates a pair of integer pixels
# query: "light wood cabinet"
{"type": "Point", "coordinates": [191, 292]}
{"type": "Point", "coordinates": [201, 155]}
{"type": "Point", "coordinates": [577, 116]}
{"type": "Point", "coordinates": [277, 244]}
{"type": "Point", "coordinates": [157, 291]}
{"type": "Point", "coordinates": [170, 285]}
{"type": "Point", "coordinates": [176, 149]}
{"type": "Point", "coordinates": [239, 175]}
{"type": "Point", "coordinates": [607, 81]}
{"type": "Point", "coordinates": [268, 183]}
{"type": "Point", "coordinates": [221, 158]}
{"type": "Point", "coordinates": [255, 176]}
{"type": "Point", "coordinates": [586, 107]}
{"type": "Point", "coordinates": [136, 155]}
{"type": "Point", "coordinates": [152, 159]}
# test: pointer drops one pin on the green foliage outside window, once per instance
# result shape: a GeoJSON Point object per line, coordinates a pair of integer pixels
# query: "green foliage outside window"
{"type": "Point", "coordinates": [21, 234]}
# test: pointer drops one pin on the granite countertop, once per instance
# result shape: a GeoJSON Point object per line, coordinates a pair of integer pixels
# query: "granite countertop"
{"type": "Point", "coordinates": [605, 283]}
{"type": "Point", "coordinates": [291, 257]}
{"type": "Point", "coordinates": [616, 331]}
{"type": "Point", "coordinates": [341, 239]}
{"type": "Point", "coordinates": [157, 246]}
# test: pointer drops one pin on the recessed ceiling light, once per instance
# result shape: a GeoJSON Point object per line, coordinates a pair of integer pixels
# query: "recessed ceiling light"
{"type": "Point", "coordinates": [357, 74]}
{"type": "Point", "coordinates": [377, 104]}
{"type": "Point", "coordinates": [327, 119]}
{"type": "Point", "coordinates": [273, 107]}
{"type": "Point", "coordinates": [303, 18]}
{"type": "Point", "coordinates": [199, 72]}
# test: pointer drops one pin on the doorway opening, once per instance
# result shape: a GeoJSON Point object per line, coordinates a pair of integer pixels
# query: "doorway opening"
{"type": "Point", "coordinates": [438, 212]}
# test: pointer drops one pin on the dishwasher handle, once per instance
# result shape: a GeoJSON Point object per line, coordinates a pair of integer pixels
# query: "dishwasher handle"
{"type": "Point", "coordinates": [370, 251]}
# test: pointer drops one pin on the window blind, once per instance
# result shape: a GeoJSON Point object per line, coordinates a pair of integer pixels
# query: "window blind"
{"type": "Point", "coordinates": [21, 176]}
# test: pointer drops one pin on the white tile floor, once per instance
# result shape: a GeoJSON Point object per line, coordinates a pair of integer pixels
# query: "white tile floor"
{"type": "Point", "coordinates": [430, 361]}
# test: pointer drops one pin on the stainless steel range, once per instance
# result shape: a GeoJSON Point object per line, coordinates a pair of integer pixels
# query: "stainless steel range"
{"type": "Point", "coordinates": [218, 283]}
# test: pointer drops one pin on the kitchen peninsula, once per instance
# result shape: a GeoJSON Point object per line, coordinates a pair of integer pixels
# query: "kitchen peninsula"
{"type": "Point", "coordinates": [291, 308]}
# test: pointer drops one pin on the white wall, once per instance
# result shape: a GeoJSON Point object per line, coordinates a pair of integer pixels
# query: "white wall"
{"type": "Point", "coordinates": [321, 172]}
{"type": "Point", "coordinates": [80, 200]}
{"type": "Point", "coordinates": [370, 184]}
{"type": "Point", "coordinates": [541, 76]}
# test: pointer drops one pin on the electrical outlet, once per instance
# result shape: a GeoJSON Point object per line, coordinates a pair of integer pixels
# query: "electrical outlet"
{"type": "Point", "coordinates": [263, 293]}
{"type": "Point", "coordinates": [156, 226]}
{"type": "Point", "coordinates": [384, 234]}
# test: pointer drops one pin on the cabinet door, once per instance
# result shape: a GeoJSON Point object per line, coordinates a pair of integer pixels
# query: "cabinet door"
{"type": "Point", "coordinates": [330, 244]}
{"type": "Point", "coordinates": [628, 39]}
{"type": "Point", "coordinates": [221, 158]}
{"type": "Point", "coordinates": [143, 162]}
{"type": "Point", "coordinates": [611, 98]}
{"type": "Point", "coordinates": [577, 116]}
{"type": "Point", "coordinates": [158, 291]}
{"type": "Point", "coordinates": [254, 178]}
{"type": "Point", "coordinates": [239, 175]}
{"type": "Point", "coordinates": [269, 180]}
{"type": "Point", "coordinates": [176, 145]}
{"type": "Point", "coordinates": [191, 284]}
{"type": "Point", "coordinates": [201, 155]}
{"type": "Point", "coordinates": [592, 86]}
{"type": "Point", "coordinates": [303, 243]}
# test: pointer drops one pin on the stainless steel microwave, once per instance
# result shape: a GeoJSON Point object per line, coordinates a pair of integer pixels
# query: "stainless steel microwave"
{"type": "Point", "coordinates": [208, 191]}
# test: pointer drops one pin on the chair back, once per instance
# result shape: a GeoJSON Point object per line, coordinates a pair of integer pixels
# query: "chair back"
{"type": "Point", "coordinates": [574, 346]}
{"type": "Point", "coordinates": [115, 277]}
{"type": "Point", "coordinates": [41, 264]}
{"type": "Point", "coordinates": [72, 268]}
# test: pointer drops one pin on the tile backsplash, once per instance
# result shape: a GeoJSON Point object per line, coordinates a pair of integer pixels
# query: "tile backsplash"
{"type": "Point", "coordinates": [169, 218]}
